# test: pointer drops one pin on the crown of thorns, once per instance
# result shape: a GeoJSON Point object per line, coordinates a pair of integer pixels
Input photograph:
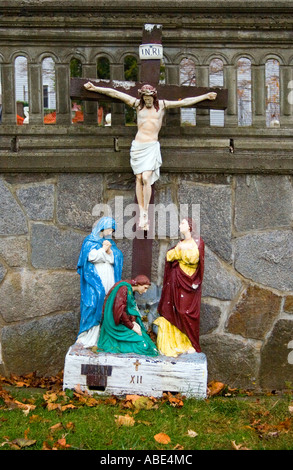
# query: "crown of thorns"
{"type": "Point", "coordinates": [147, 90]}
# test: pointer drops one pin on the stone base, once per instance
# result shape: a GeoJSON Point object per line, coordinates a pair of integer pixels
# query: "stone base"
{"type": "Point", "coordinates": [122, 374]}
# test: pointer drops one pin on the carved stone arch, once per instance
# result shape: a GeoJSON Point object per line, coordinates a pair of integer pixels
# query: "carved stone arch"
{"type": "Point", "coordinates": [106, 54]}
{"type": "Point", "coordinates": [270, 56]}
{"type": "Point", "coordinates": [47, 55]}
{"type": "Point", "coordinates": [215, 55]}
{"type": "Point", "coordinates": [244, 55]}
{"type": "Point", "coordinates": [19, 53]}
{"type": "Point", "coordinates": [74, 55]}
{"type": "Point", "coordinates": [181, 56]}
{"type": "Point", "coordinates": [126, 54]}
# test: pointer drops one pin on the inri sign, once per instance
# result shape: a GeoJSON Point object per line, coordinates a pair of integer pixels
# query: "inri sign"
{"type": "Point", "coordinates": [151, 51]}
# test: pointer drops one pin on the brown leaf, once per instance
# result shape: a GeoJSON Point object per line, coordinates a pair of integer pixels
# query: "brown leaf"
{"type": "Point", "coordinates": [56, 427]}
{"type": "Point", "coordinates": [124, 420]}
{"type": "Point", "coordinates": [162, 438]}
{"type": "Point", "coordinates": [238, 446]}
{"type": "Point", "coordinates": [24, 442]}
{"type": "Point", "coordinates": [215, 388]}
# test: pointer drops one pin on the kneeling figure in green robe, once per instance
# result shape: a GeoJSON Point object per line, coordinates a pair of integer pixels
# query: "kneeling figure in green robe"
{"type": "Point", "coordinates": [122, 329]}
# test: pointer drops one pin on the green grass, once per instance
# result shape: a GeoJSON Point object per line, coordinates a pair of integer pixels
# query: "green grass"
{"type": "Point", "coordinates": [220, 423]}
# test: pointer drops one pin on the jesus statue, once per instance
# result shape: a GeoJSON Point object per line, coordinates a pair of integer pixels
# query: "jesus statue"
{"type": "Point", "coordinates": [145, 153]}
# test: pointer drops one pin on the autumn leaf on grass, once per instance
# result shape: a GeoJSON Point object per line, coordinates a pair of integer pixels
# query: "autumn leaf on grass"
{"type": "Point", "coordinates": [56, 427]}
{"type": "Point", "coordinates": [238, 446]}
{"type": "Point", "coordinates": [178, 447]}
{"type": "Point", "coordinates": [124, 420]}
{"type": "Point", "coordinates": [214, 388]}
{"type": "Point", "coordinates": [26, 408]}
{"type": "Point", "coordinates": [175, 401]}
{"type": "Point", "coordinates": [61, 444]}
{"type": "Point", "coordinates": [140, 402]}
{"type": "Point", "coordinates": [162, 438]}
{"type": "Point", "coordinates": [18, 444]}
{"type": "Point", "coordinates": [290, 409]}
{"type": "Point", "coordinates": [191, 433]}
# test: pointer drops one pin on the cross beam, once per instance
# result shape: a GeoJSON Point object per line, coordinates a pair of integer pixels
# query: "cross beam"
{"type": "Point", "coordinates": [167, 92]}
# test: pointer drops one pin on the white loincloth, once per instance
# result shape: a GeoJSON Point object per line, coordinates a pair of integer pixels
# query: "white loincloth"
{"type": "Point", "coordinates": [146, 157]}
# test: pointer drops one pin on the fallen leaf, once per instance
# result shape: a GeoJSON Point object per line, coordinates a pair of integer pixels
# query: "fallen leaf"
{"type": "Point", "coordinates": [178, 447]}
{"type": "Point", "coordinates": [70, 426]}
{"type": "Point", "coordinates": [191, 433]}
{"type": "Point", "coordinates": [56, 427]}
{"type": "Point", "coordinates": [24, 442]}
{"type": "Point", "coordinates": [162, 438]}
{"type": "Point", "coordinates": [290, 409]}
{"type": "Point", "coordinates": [53, 406]}
{"type": "Point", "coordinates": [214, 387]}
{"type": "Point", "coordinates": [124, 420]}
{"type": "Point", "coordinates": [238, 446]}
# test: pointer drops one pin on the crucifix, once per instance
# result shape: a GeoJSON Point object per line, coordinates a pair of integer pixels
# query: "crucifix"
{"type": "Point", "coordinates": [151, 100]}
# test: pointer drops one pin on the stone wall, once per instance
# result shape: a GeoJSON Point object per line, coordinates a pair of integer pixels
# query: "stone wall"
{"type": "Point", "coordinates": [246, 314]}
{"type": "Point", "coordinates": [53, 177]}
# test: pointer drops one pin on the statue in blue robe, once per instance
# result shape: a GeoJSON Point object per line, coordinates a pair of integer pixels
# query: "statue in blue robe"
{"type": "Point", "coordinates": [100, 267]}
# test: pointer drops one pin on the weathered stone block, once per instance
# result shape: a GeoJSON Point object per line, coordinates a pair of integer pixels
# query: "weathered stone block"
{"type": "Point", "coordinates": [40, 345]}
{"type": "Point", "coordinates": [77, 195]}
{"type": "Point", "coordinates": [266, 258]}
{"type": "Point", "coordinates": [230, 360]}
{"type": "Point", "coordinates": [276, 371]}
{"type": "Point", "coordinates": [27, 294]}
{"type": "Point", "coordinates": [14, 251]}
{"type": "Point", "coordinates": [254, 313]}
{"type": "Point", "coordinates": [209, 318]}
{"type": "Point", "coordinates": [288, 305]}
{"type": "Point", "coordinates": [263, 201]}
{"type": "Point", "coordinates": [219, 279]}
{"type": "Point", "coordinates": [215, 214]}
{"type": "Point", "coordinates": [13, 220]}
{"type": "Point", "coordinates": [3, 271]}
{"type": "Point", "coordinates": [38, 201]}
{"type": "Point", "coordinates": [52, 247]}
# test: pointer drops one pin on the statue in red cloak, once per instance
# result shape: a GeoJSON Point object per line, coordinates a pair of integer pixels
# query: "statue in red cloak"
{"type": "Point", "coordinates": [182, 285]}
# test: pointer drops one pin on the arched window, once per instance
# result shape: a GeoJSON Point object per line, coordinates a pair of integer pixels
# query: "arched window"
{"type": "Point", "coordinates": [104, 109]}
{"type": "Point", "coordinates": [76, 105]}
{"type": "Point", "coordinates": [216, 79]}
{"type": "Point", "coordinates": [244, 92]}
{"type": "Point", "coordinates": [103, 68]}
{"type": "Point", "coordinates": [49, 92]}
{"type": "Point", "coordinates": [187, 78]}
{"type": "Point", "coordinates": [272, 73]}
{"type": "Point", "coordinates": [21, 90]}
{"type": "Point", "coordinates": [130, 74]}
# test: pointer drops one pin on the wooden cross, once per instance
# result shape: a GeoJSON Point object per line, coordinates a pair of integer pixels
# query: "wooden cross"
{"type": "Point", "coordinates": [150, 74]}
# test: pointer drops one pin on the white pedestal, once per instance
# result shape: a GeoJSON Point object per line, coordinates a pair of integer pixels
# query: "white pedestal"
{"type": "Point", "coordinates": [122, 374]}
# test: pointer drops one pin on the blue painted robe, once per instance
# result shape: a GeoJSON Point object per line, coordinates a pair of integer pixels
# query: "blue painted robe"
{"type": "Point", "coordinates": [91, 286]}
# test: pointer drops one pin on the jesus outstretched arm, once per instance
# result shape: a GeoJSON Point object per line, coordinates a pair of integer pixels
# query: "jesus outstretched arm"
{"type": "Point", "coordinates": [190, 101]}
{"type": "Point", "coordinates": [119, 95]}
